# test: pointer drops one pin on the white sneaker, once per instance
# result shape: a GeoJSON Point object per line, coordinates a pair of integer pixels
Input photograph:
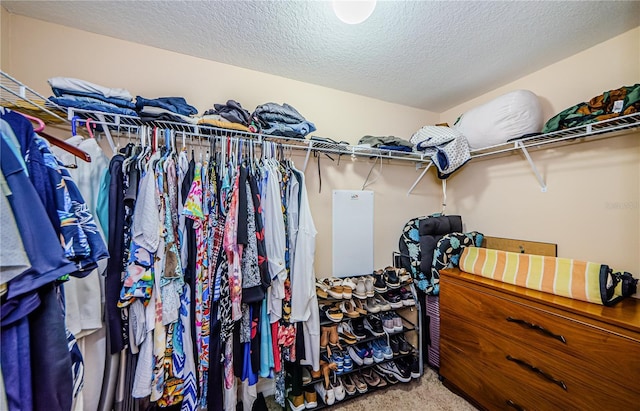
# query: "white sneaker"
{"type": "Point", "coordinates": [348, 282]}
{"type": "Point", "coordinates": [397, 324]}
{"type": "Point", "coordinates": [382, 303]}
{"type": "Point", "coordinates": [338, 389]}
{"type": "Point", "coordinates": [372, 306]}
{"type": "Point", "coordinates": [368, 284]}
{"type": "Point", "coordinates": [327, 396]}
{"type": "Point", "coordinates": [361, 290]}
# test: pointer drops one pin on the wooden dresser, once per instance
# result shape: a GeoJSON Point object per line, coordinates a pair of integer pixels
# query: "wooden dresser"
{"type": "Point", "coordinates": [507, 347]}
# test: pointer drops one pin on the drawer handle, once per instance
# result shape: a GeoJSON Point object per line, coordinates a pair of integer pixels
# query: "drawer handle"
{"type": "Point", "coordinates": [537, 327]}
{"type": "Point", "coordinates": [516, 406]}
{"type": "Point", "coordinates": [539, 371]}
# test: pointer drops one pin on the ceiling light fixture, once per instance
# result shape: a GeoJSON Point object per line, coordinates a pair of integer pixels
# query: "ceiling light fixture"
{"type": "Point", "coordinates": [353, 11]}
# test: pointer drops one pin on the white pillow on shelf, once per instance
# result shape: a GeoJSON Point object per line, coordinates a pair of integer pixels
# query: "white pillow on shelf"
{"type": "Point", "coordinates": [509, 116]}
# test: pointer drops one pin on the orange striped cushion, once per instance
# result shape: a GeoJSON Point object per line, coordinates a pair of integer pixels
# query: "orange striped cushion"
{"type": "Point", "coordinates": [580, 280]}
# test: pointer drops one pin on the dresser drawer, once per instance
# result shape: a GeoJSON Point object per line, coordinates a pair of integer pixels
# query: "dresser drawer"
{"type": "Point", "coordinates": [516, 372]}
{"type": "Point", "coordinates": [611, 359]}
{"type": "Point", "coordinates": [490, 388]}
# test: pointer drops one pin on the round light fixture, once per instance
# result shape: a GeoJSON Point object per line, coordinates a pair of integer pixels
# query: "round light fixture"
{"type": "Point", "coordinates": [353, 11]}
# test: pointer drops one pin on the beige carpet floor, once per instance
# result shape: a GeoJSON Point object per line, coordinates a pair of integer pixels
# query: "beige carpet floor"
{"type": "Point", "coordinates": [424, 394]}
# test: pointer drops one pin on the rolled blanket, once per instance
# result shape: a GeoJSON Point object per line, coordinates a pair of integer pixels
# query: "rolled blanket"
{"type": "Point", "coordinates": [580, 280]}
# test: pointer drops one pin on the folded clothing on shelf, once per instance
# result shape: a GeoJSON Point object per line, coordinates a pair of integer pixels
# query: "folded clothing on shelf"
{"type": "Point", "coordinates": [176, 105]}
{"type": "Point", "coordinates": [82, 87]}
{"type": "Point", "coordinates": [81, 94]}
{"type": "Point", "coordinates": [232, 111]}
{"type": "Point", "coordinates": [386, 143]}
{"type": "Point", "coordinates": [92, 106]}
{"type": "Point", "coordinates": [151, 113]}
{"type": "Point", "coordinates": [216, 120]}
{"type": "Point", "coordinates": [282, 120]}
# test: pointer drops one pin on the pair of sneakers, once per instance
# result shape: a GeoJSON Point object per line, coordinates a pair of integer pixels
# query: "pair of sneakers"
{"type": "Point", "coordinates": [342, 360]}
{"type": "Point", "coordinates": [373, 324]}
{"type": "Point", "coordinates": [394, 299]}
{"type": "Point", "coordinates": [338, 288]}
{"type": "Point", "coordinates": [381, 350]}
{"type": "Point", "coordinates": [376, 304]}
{"type": "Point", "coordinates": [361, 354]}
{"type": "Point", "coordinates": [399, 345]}
{"type": "Point", "coordinates": [407, 297]}
{"type": "Point", "coordinates": [391, 323]}
{"type": "Point", "coordinates": [396, 369]}
{"type": "Point", "coordinates": [354, 383]}
{"type": "Point", "coordinates": [364, 287]}
{"type": "Point", "coordinates": [306, 400]}
{"type": "Point", "coordinates": [386, 279]}
{"type": "Point", "coordinates": [391, 277]}
{"type": "Point", "coordinates": [412, 363]}
{"type": "Point", "coordinates": [382, 346]}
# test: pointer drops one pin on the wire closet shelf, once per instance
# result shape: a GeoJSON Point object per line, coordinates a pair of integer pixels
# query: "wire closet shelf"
{"type": "Point", "coordinates": [22, 98]}
{"type": "Point", "coordinates": [17, 96]}
{"type": "Point", "coordinates": [124, 123]}
{"type": "Point", "coordinates": [579, 133]}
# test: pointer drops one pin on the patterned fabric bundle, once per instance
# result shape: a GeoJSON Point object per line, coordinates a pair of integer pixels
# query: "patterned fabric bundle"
{"type": "Point", "coordinates": [610, 104]}
{"type": "Point", "coordinates": [580, 280]}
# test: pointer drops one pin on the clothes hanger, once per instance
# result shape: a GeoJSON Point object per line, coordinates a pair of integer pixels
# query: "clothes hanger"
{"type": "Point", "coordinates": [444, 195]}
{"type": "Point", "coordinates": [56, 141]}
{"type": "Point", "coordinates": [146, 148]}
{"type": "Point", "coordinates": [88, 125]}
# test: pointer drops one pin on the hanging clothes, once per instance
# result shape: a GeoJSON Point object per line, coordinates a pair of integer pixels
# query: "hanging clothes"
{"type": "Point", "coordinates": [60, 238]}
{"type": "Point", "coordinates": [208, 256]}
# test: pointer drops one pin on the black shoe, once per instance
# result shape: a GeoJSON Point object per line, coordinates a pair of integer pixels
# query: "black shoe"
{"type": "Point", "coordinates": [415, 366]}
{"type": "Point", "coordinates": [391, 368]}
{"type": "Point", "coordinates": [395, 345]}
{"type": "Point", "coordinates": [394, 298]}
{"type": "Point", "coordinates": [373, 324]}
{"type": "Point", "coordinates": [405, 370]}
{"type": "Point", "coordinates": [379, 284]}
{"type": "Point", "coordinates": [358, 328]}
{"type": "Point", "coordinates": [390, 378]}
{"type": "Point", "coordinates": [403, 346]}
{"type": "Point", "coordinates": [391, 277]}
{"type": "Point", "coordinates": [406, 296]}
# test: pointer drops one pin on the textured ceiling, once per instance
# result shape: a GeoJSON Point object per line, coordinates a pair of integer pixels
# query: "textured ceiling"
{"type": "Point", "coordinates": [426, 54]}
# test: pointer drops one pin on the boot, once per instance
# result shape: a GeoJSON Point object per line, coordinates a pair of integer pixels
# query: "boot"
{"type": "Point", "coordinates": [333, 334]}
{"type": "Point", "coordinates": [324, 336]}
{"type": "Point", "coordinates": [326, 371]}
{"type": "Point", "coordinates": [317, 374]}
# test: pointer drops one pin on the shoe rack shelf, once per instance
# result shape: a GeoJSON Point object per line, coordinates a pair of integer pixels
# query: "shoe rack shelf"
{"type": "Point", "coordinates": [357, 368]}
{"type": "Point", "coordinates": [326, 322]}
{"type": "Point", "coordinates": [408, 327]}
{"type": "Point", "coordinates": [357, 394]}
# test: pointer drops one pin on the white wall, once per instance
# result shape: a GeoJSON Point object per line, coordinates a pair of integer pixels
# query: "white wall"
{"type": "Point", "coordinates": [40, 50]}
{"type": "Point", "coordinates": [592, 207]}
